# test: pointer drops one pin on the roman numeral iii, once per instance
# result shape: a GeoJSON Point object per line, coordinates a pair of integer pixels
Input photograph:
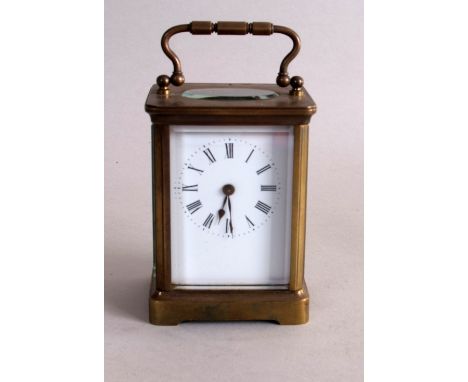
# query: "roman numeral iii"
{"type": "Point", "coordinates": [194, 207]}
{"type": "Point", "coordinates": [229, 150]}
{"type": "Point", "coordinates": [191, 188]}
{"type": "Point", "coordinates": [209, 155]}
{"type": "Point", "coordinates": [265, 208]}
{"type": "Point", "coordinates": [263, 169]}
{"type": "Point", "coordinates": [268, 188]}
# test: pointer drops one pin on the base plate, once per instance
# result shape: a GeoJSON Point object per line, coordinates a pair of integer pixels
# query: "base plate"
{"type": "Point", "coordinates": [281, 306]}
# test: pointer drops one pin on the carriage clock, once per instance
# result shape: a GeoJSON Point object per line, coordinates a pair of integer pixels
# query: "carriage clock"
{"type": "Point", "coordinates": [229, 192]}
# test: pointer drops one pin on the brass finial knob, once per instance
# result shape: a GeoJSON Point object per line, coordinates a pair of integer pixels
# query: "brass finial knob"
{"type": "Point", "coordinates": [297, 84]}
{"type": "Point", "coordinates": [163, 82]}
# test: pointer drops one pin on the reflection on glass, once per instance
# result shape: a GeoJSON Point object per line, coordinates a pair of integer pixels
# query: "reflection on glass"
{"type": "Point", "coordinates": [229, 94]}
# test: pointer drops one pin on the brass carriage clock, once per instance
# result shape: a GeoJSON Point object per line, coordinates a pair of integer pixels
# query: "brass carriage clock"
{"type": "Point", "coordinates": [229, 192]}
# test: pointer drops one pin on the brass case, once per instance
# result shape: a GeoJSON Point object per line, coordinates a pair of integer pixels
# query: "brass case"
{"type": "Point", "coordinates": [169, 305]}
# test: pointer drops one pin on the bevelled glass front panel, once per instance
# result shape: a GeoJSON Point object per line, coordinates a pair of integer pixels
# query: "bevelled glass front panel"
{"type": "Point", "coordinates": [231, 206]}
{"type": "Point", "coordinates": [230, 94]}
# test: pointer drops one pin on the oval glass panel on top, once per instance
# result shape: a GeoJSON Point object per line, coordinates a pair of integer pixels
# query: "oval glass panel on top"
{"type": "Point", "coordinates": [230, 94]}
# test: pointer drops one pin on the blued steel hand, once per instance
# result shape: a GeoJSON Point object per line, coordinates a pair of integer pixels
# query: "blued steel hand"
{"type": "Point", "coordinates": [230, 214]}
{"type": "Point", "coordinates": [228, 189]}
{"type": "Point", "coordinates": [221, 212]}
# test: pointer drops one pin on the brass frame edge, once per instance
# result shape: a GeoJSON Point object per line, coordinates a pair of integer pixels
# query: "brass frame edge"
{"type": "Point", "coordinates": [299, 206]}
{"type": "Point", "coordinates": [161, 206]}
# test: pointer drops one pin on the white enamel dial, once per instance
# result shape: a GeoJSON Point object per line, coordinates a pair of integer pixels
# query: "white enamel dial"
{"type": "Point", "coordinates": [230, 205]}
{"type": "Point", "coordinates": [247, 174]}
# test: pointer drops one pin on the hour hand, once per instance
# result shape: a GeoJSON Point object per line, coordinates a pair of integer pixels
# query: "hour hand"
{"type": "Point", "coordinates": [228, 189]}
{"type": "Point", "coordinates": [221, 212]}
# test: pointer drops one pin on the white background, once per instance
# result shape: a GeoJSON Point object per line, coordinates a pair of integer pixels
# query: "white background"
{"type": "Point", "coordinates": [416, 206]}
{"type": "Point", "coordinates": [331, 63]}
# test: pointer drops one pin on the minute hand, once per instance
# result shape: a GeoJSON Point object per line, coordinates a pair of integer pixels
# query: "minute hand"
{"type": "Point", "coordinates": [230, 214]}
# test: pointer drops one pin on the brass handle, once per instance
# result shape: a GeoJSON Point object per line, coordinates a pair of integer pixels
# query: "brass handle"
{"type": "Point", "coordinates": [230, 28]}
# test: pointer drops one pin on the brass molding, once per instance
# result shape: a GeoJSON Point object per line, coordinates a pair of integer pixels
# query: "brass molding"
{"type": "Point", "coordinates": [284, 307]}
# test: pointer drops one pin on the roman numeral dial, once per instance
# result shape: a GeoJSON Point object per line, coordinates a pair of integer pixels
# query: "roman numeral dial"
{"type": "Point", "coordinates": [228, 187]}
